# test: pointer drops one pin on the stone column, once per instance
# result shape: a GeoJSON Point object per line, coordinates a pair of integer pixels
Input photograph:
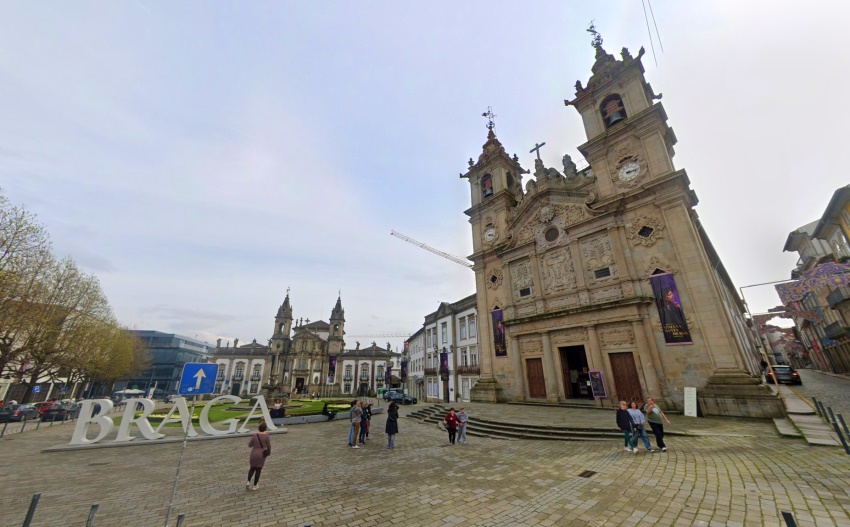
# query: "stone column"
{"type": "Point", "coordinates": [516, 361]}
{"type": "Point", "coordinates": [597, 361]}
{"type": "Point", "coordinates": [550, 380]}
{"type": "Point", "coordinates": [649, 361]}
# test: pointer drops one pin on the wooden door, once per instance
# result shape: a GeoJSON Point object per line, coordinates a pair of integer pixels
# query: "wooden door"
{"type": "Point", "coordinates": [626, 380]}
{"type": "Point", "coordinates": [536, 382]}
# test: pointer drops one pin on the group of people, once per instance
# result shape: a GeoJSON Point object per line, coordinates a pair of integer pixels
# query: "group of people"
{"type": "Point", "coordinates": [455, 424]}
{"type": "Point", "coordinates": [361, 421]}
{"type": "Point", "coordinates": [632, 421]}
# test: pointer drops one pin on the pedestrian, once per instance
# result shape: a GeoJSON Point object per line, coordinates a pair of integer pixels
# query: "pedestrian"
{"type": "Point", "coordinates": [356, 413]}
{"type": "Point", "coordinates": [462, 418]}
{"type": "Point", "coordinates": [639, 419]}
{"type": "Point", "coordinates": [625, 423]}
{"type": "Point", "coordinates": [656, 419]}
{"type": "Point", "coordinates": [261, 448]}
{"type": "Point", "coordinates": [392, 424]}
{"type": "Point", "coordinates": [364, 423]}
{"type": "Point", "coordinates": [451, 425]}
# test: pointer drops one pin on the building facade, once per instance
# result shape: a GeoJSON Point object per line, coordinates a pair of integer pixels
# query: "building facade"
{"type": "Point", "coordinates": [415, 345]}
{"type": "Point", "coordinates": [363, 372]}
{"type": "Point", "coordinates": [168, 352]}
{"type": "Point", "coordinates": [601, 283]}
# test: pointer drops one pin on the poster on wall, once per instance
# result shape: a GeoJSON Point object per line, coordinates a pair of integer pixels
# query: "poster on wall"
{"type": "Point", "coordinates": [444, 366]}
{"type": "Point", "coordinates": [404, 370]}
{"type": "Point", "coordinates": [388, 376]}
{"type": "Point", "coordinates": [597, 385]}
{"type": "Point", "coordinates": [331, 368]}
{"type": "Point", "coordinates": [499, 334]}
{"type": "Point", "coordinates": [669, 306]}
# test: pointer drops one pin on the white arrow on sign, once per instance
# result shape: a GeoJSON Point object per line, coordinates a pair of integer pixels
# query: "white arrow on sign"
{"type": "Point", "coordinates": [200, 376]}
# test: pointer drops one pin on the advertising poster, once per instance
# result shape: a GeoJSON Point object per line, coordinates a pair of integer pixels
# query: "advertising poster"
{"type": "Point", "coordinates": [669, 306]}
{"type": "Point", "coordinates": [499, 334]}
{"type": "Point", "coordinates": [403, 371]}
{"type": "Point", "coordinates": [331, 368]}
{"type": "Point", "coordinates": [388, 375]}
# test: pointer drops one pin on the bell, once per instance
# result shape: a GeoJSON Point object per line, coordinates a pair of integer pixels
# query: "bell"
{"type": "Point", "coordinates": [614, 118]}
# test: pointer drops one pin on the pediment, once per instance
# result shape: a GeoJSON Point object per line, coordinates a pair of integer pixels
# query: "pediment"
{"type": "Point", "coordinates": [541, 215]}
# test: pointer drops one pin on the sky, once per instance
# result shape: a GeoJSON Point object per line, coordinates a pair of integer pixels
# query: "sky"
{"type": "Point", "coordinates": [202, 157]}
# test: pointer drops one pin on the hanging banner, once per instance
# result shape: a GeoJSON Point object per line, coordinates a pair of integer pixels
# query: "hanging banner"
{"type": "Point", "coordinates": [444, 366]}
{"type": "Point", "coordinates": [331, 368]}
{"type": "Point", "coordinates": [826, 274]}
{"type": "Point", "coordinates": [669, 306]}
{"type": "Point", "coordinates": [499, 334]}
{"type": "Point", "coordinates": [388, 375]}
{"type": "Point", "coordinates": [404, 371]}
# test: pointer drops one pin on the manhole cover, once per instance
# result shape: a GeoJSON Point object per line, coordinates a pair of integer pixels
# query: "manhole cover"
{"type": "Point", "coordinates": [586, 474]}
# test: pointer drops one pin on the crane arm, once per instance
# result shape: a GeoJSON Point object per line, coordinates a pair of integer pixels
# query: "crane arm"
{"type": "Point", "coordinates": [428, 248]}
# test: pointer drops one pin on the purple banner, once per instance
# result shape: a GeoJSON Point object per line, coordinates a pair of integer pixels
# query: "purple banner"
{"type": "Point", "coordinates": [499, 334]}
{"type": "Point", "coordinates": [669, 306]}
{"type": "Point", "coordinates": [444, 363]}
{"type": "Point", "coordinates": [388, 375]}
{"type": "Point", "coordinates": [331, 368]}
{"type": "Point", "coordinates": [403, 371]}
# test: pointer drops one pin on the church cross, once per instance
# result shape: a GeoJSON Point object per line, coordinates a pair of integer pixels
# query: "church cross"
{"type": "Point", "coordinates": [490, 118]}
{"type": "Point", "coordinates": [537, 148]}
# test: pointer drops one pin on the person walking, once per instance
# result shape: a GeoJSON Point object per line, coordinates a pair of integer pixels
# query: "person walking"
{"type": "Point", "coordinates": [639, 419]}
{"type": "Point", "coordinates": [451, 425]}
{"type": "Point", "coordinates": [356, 415]}
{"type": "Point", "coordinates": [656, 419]}
{"type": "Point", "coordinates": [625, 423]}
{"type": "Point", "coordinates": [462, 418]}
{"type": "Point", "coordinates": [392, 424]}
{"type": "Point", "coordinates": [261, 448]}
{"type": "Point", "coordinates": [364, 422]}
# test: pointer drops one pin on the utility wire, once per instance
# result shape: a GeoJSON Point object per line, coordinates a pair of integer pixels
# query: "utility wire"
{"type": "Point", "coordinates": [651, 45]}
{"type": "Point", "coordinates": [657, 34]}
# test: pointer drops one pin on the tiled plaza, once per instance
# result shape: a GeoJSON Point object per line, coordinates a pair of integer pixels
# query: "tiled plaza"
{"type": "Point", "coordinates": [725, 472]}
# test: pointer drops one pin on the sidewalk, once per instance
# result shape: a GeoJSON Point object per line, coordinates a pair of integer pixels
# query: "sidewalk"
{"type": "Point", "coordinates": [803, 420]}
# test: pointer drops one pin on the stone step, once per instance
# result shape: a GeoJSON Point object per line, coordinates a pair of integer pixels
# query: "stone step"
{"type": "Point", "coordinates": [786, 428]}
{"type": "Point", "coordinates": [814, 430]}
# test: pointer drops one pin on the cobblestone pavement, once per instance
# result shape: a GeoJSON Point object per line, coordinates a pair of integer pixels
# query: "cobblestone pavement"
{"type": "Point", "coordinates": [741, 474]}
{"type": "Point", "coordinates": [831, 391]}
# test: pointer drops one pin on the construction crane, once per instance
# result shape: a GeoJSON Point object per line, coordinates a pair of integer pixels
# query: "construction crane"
{"type": "Point", "coordinates": [447, 256]}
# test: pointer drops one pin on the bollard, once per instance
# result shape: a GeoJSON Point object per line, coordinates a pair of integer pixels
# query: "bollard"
{"type": "Point", "coordinates": [25, 425]}
{"type": "Point", "coordinates": [831, 415]}
{"type": "Point", "coordinates": [31, 511]}
{"type": "Point", "coordinates": [817, 407]}
{"type": "Point", "coordinates": [823, 412]}
{"type": "Point", "coordinates": [180, 519]}
{"type": "Point", "coordinates": [841, 437]}
{"type": "Point", "coordinates": [92, 513]}
{"type": "Point", "coordinates": [53, 420]}
{"type": "Point", "coordinates": [3, 432]}
{"type": "Point", "coordinates": [844, 425]}
{"type": "Point", "coordinates": [38, 424]}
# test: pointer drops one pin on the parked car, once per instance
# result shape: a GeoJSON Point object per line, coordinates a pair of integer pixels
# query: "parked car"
{"type": "Point", "coordinates": [44, 406]}
{"type": "Point", "coordinates": [18, 412]}
{"type": "Point", "coordinates": [388, 393]}
{"type": "Point", "coordinates": [783, 373]}
{"type": "Point", "coordinates": [62, 412]}
{"type": "Point", "coordinates": [400, 398]}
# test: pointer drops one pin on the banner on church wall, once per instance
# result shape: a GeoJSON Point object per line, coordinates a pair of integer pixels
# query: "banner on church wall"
{"type": "Point", "coordinates": [403, 371]}
{"type": "Point", "coordinates": [499, 334]}
{"type": "Point", "coordinates": [331, 368]}
{"type": "Point", "coordinates": [388, 375]}
{"type": "Point", "coordinates": [444, 364]}
{"type": "Point", "coordinates": [670, 311]}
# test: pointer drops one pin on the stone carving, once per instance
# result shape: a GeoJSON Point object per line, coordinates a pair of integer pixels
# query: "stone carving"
{"type": "Point", "coordinates": [495, 303]}
{"type": "Point", "coordinates": [494, 278]}
{"type": "Point", "coordinates": [606, 294]}
{"type": "Point", "coordinates": [569, 335]}
{"type": "Point", "coordinates": [570, 168]}
{"type": "Point", "coordinates": [627, 152]}
{"type": "Point", "coordinates": [657, 262]}
{"type": "Point", "coordinates": [617, 337]}
{"type": "Point", "coordinates": [546, 213]}
{"type": "Point", "coordinates": [526, 309]}
{"type": "Point", "coordinates": [598, 254]}
{"type": "Point", "coordinates": [521, 276]}
{"type": "Point", "coordinates": [564, 302]}
{"type": "Point", "coordinates": [645, 230]}
{"type": "Point", "coordinates": [574, 213]}
{"type": "Point", "coordinates": [529, 345]}
{"type": "Point", "coordinates": [557, 272]}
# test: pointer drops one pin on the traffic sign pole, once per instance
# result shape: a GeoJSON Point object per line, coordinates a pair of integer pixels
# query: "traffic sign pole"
{"type": "Point", "coordinates": [179, 464]}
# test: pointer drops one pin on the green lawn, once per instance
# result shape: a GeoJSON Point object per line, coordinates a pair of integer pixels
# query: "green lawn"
{"type": "Point", "coordinates": [223, 411]}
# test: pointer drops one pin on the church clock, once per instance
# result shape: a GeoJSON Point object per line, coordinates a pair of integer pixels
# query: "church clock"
{"type": "Point", "coordinates": [629, 170]}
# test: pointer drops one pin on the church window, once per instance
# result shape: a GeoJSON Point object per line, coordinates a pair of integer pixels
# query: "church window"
{"type": "Point", "coordinates": [239, 371]}
{"type": "Point", "coordinates": [487, 185]}
{"type": "Point", "coordinates": [525, 292]}
{"type": "Point", "coordinates": [347, 388]}
{"type": "Point", "coordinates": [510, 179]}
{"type": "Point", "coordinates": [612, 110]}
{"type": "Point", "coordinates": [552, 234]}
{"type": "Point", "coordinates": [316, 379]}
{"type": "Point", "coordinates": [645, 232]}
{"type": "Point", "coordinates": [255, 375]}
{"type": "Point", "coordinates": [444, 331]}
{"type": "Point", "coordinates": [464, 358]}
{"type": "Point", "coordinates": [473, 356]}
{"type": "Point", "coordinates": [472, 326]}
{"type": "Point", "coordinates": [462, 329]}
{"type": "Point", "coordinates": [348, 376]}
{"type": "Point", "coordinates": [602, 273]}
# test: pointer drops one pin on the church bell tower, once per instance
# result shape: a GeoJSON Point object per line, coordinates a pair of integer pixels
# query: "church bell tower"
{"type": "Point", "coordinates": [336, 340]}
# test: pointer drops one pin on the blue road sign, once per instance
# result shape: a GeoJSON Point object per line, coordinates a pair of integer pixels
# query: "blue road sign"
{"type": "Point", "coordinates": [36, 389]}
{"type": "Point", "coordinates": [63, 389]}
{"type": "Point", "coordinates": [198, 378]}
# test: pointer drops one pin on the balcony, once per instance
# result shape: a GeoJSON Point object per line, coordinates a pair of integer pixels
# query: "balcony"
{"type": "Point", "coordinates": [220, 377]}
{"type": "Point", "coordinates": [430, 371]}
{"type": "Point", "coordinates": [301, 372]}
{"type": "Point", "coordinates": [836, 330]}
{"type": "Point", "coordinates": [838, 296]}
{"type": "Point", "coordinates": [465, 370]}
{"type": "Point", "coordinates": [348, 377]}
{"type": "Point", "coordinates": [238, 377]}
{"type": "Point", "coordinates": [256, 377]}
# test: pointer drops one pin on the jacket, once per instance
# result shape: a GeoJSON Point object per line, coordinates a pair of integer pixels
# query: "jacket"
{"type": "Point", "coordinates": [624, 420]}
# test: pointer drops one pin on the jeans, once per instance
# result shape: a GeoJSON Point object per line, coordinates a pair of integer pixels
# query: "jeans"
{"type": "Point", "coordinates": [452, 434]}
{"type": "Point", "coordinates": [461, 436]}
{"type": "Point", "coordinates": [640, 432]}
{"type": "Point", "coordinates": [628, 440]}
{"type": "Point", "coordinates": [658, 430]}
{"type": "Point", "coordinates": [390, 440]}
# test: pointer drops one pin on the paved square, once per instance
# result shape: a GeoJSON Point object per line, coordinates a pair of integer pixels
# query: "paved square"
{"type": "Point", "coordinates": [734, 472]}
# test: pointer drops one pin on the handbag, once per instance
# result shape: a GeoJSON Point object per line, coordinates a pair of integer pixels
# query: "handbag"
{"type": "Point", "coordinates": [266, 452]}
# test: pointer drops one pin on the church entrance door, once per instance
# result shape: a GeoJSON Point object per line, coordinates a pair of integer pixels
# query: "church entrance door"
{"type": "Point", "coordinates": [575, 370]}
{"type": "Point", "coordinates": [536, 381]}
{"type": "Point", "coordinates": [299, 385]}
{"type": "Point", "coordinates": [626, 380]}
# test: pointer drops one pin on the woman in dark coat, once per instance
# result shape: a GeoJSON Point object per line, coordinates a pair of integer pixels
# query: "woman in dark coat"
{"type": "Point", "coordinates": [392, 424]}
{"type": "Point", "coordinates": [452, 421]}
{"type": "Point", "coordinates": [627, 425]}
{"type": "Point", "coordinates": [259, 443]}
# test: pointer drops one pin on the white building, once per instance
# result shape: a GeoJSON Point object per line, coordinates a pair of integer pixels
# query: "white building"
{"type": "Point", "coordinates": [363, 371]}
{"type": "Point", "coordinates": [415, 348]}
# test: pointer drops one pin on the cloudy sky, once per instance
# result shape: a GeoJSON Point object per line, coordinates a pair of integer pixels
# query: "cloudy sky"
{"type": "Point", "coordinates": [201, 157]}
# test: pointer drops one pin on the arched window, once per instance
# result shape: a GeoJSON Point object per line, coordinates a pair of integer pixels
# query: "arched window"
{"type": "Point", "coordinates": [612, 110]}
{"type": "Point", "coordinates": [487, 185]}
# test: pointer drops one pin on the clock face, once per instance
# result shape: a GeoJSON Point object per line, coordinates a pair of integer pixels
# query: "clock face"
{"type": "Point", "coordinates": [489, 234]}
{"type": "Point", "coordinates": [629, 171]}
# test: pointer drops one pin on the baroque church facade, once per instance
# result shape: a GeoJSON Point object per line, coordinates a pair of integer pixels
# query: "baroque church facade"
{"type": "Point", "coordinates": [601, 283]}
